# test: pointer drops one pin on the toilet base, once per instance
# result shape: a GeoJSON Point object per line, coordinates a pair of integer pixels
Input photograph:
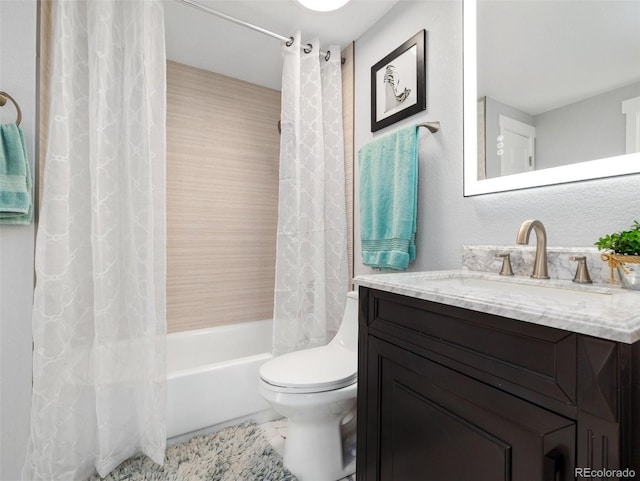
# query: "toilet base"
{"type": "Point", "coordinates": [321, 428]}
{"type": "Point", "coordinates": [316, 451]}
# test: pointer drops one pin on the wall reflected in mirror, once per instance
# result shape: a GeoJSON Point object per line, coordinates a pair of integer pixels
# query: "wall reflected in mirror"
{"type": "Point", "coordinates": [557, 84]}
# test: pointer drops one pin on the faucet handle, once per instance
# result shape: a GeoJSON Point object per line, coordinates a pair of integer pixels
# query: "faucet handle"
{"type": "Point", "coordinates": [506, 264]}
{"type": "Point", "coordinates": [582, 273]}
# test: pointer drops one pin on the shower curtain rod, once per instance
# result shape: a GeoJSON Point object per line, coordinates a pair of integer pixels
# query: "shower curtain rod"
{"type": "Point", "coordinates": [264, 31]}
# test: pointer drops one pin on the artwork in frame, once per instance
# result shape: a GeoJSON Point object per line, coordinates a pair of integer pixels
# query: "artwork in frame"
{"type": "Point", "coordinates": [398, 83]}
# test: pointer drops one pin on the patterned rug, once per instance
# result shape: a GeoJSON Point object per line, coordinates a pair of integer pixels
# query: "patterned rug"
{"type": "Point", "coordinates": [233, 454]}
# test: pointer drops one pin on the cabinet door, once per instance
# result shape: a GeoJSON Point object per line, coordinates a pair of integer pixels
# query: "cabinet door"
{"type": "Point", "coordinates": [430, 423]}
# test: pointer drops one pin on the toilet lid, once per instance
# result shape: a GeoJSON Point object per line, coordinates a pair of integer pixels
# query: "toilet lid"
{"type": "Point", "coordinates": [312, 370]}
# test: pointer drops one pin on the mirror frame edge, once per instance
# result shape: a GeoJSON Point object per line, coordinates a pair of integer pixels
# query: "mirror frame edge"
{"type": "Point", "coordinates": [595, 169]}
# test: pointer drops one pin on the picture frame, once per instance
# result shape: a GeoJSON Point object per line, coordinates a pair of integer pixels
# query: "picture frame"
{"type": "Point", "coordinates": [398, 83]}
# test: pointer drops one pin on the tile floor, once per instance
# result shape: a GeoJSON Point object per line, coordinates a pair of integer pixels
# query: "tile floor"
{"type": "Point", "coordinates": [276, 433]}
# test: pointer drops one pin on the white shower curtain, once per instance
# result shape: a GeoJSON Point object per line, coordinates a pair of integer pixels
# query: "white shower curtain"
{"type": "Point", "coordinates": [311, 260]}
{"type": "Point", "coordinates": [99, 304]}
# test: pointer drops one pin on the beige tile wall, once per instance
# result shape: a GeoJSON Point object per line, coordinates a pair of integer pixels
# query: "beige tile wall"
{"type": "Point", "coordinates": [347, 115]}
{"type": "Point", "coordinates": [222, 197]}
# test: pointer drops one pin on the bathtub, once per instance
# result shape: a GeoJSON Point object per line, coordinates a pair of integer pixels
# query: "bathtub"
{"type": "Point", "coordinates": [212, 376]}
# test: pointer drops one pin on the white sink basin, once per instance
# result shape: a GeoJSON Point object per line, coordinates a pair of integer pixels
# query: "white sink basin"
{"type": "Point", "coordinates": [557, 290]}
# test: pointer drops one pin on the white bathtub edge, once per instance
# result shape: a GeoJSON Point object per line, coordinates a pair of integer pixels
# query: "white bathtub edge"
{"type": "Point", "coordinates": [214, 378]}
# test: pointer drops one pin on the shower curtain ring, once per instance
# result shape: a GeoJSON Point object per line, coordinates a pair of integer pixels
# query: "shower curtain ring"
{"type": "Point", "coordinates": [308, 48]}
{"type": "Point", "coordinates": [328, 55]}
{"type": "Point", "coordinates": [290, 42]}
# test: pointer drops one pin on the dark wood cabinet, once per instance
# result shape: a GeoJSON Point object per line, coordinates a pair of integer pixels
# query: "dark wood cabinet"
{"type": "Point", "coordinates": [449, 394]}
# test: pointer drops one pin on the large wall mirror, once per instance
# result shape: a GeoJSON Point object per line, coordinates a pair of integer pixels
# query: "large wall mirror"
{"type": "Point", "coordinates": [551, 92]}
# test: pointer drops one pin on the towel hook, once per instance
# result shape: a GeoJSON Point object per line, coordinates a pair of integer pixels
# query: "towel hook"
{"type": "Point", "coordinates": [4, 96]}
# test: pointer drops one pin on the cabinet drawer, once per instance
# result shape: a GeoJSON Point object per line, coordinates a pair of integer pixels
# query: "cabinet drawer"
{"type": "Point", "coordinates": [518, 357]}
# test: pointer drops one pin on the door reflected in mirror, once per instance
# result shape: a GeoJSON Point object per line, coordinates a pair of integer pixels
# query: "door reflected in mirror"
{"type": "Point", "coordinates": [557, 84]}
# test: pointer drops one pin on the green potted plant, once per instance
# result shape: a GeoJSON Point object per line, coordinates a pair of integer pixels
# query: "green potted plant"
{"type": "Point", "coordinates": [623, 254]}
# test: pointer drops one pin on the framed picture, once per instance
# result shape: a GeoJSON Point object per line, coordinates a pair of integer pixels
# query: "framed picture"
{"type": "Point", "coordinates": [398, 83]}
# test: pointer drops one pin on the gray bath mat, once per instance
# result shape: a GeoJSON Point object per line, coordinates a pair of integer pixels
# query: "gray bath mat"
{"type": "Point", "coordinates": [239, 453]}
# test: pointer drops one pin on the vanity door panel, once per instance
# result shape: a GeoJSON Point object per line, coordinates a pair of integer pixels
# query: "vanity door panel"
{"type": "Point", "coordinates": [431, 423]}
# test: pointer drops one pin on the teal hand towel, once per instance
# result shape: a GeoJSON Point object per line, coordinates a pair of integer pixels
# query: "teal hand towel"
{"type": "Point", "coordinates": [15, 178]}
{"type": "Point", "coordinates": [388, 199]}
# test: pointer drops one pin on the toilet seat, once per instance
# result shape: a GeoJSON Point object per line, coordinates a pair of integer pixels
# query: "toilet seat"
{"type": "Point", "coordinates": [318, 369]}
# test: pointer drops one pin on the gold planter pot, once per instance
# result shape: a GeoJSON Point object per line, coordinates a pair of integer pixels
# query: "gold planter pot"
{"type": "Point", "coordinates": [628, 268]}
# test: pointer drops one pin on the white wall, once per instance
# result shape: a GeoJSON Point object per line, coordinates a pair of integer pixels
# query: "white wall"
{"type": "Point", "coordinates": [593, 128]}
{"type": "Point", "coordinates": [18, 78]}
{"type": "Point", "coordinates": [575, 214]}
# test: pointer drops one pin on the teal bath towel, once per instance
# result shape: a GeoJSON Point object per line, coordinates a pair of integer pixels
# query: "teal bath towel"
{"type": "Point", "coordinates": [15, 178]}
{"type": "Point", "coordinates": [388, 199]}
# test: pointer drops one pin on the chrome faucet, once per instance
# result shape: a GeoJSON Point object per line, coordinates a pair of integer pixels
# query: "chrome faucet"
{"type": "Point", "coordinates": [540, 270]}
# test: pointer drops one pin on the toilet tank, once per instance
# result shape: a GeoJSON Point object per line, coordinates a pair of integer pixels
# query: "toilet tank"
{"type": "Point", "coordinates": [347, 334]}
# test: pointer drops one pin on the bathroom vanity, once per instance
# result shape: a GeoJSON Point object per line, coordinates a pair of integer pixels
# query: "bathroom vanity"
{"type": "Point", "coordinates": [467, 376]}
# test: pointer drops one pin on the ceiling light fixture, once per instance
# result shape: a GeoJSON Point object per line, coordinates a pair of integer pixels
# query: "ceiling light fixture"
{"type": "Point", "coordinates": [323, 5]}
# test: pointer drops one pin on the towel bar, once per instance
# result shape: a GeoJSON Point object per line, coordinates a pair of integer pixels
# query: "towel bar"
{"type": "Point", "coordinates": [433, 127]}
{"type": "Point", "coordinates": [4, 96]}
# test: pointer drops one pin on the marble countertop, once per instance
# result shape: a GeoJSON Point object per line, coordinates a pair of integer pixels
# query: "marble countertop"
{"type": "Point", "coordinates": [599, 310]}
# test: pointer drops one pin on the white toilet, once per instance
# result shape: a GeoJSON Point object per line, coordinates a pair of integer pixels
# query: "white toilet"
{"type": "Point", "coordinates": [315, 389]}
